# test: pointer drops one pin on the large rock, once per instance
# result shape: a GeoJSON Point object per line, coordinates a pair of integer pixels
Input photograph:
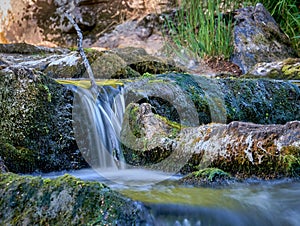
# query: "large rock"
{"type": "Point", "coordinates": [258, 38]}
{"type": "Point", "coordinates": [242, 149]}
{"type": "Point", "coordinates": [63, 63]}
{"type": "Point", "coordinates": [36, 122]}
{"type": "Point", "coordinates": [26, 200]}
{"type": "Point", "coordinates": [43, 22]}
{"type": "Point", "coordinates": [194, 100]}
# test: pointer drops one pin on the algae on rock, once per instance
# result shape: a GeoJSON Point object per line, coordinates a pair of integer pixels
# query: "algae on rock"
{"type": "Point", "coordinates": [27, 200]}
{"type": "Point", "coordinates": [36, 120]}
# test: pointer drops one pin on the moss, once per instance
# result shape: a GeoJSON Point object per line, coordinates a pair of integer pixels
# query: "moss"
{"type": "Point", "coordinates": [207, 177]}
{"type": "Point", "coordinates": [86, 84]}
{"type": "Point", "coordinates": [133, 121]}
{"type": "Point", "coordinates": [64, 200]}
{"type": "Point", "coordinates": [290, 161]}
{"type": "Point", "coordinates": [18, 159]}
{"type": "Point", "coordinates": [291, 71]}
{"type": "Point", "coordinates": [35, 114]}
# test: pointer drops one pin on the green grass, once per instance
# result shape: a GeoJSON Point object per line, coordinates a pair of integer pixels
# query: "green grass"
{"type": "Point", "coordinates": [200, 28]}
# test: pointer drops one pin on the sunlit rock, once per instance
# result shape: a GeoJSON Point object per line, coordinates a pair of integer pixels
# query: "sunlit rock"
{"type": "Point", "coordinates": [258, 38]}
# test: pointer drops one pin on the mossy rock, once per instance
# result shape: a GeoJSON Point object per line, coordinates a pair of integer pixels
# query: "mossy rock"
{"type": "Point", "coordinates": [25, 48]}
{"type": "Point", "coordinates": [19, 159]}
{"type": "Point", "coordinates": [208, 177]}
{"type": "Point", "coordinates": [64, 201]}
{"type": "Point", "coordinates": [36, 118]}
{"type": "Point", "coordinates": [259, 101]}
{"type": "Point", "coordinates": [288, 69]}
{"type": "Point", "coordinates": [116, 64]}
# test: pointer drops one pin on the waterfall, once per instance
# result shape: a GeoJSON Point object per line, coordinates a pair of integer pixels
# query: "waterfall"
{"type": "Point", "coordinates": [97, 125]}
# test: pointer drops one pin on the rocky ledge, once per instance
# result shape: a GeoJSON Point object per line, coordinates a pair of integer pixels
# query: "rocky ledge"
{"type": "Point", "coordinates": [27, 200]}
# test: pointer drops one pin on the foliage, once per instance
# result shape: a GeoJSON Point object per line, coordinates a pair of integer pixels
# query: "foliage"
{"type": "Point", "coordinates": [287, 15]}
{"type": "Point", "coordinates": [202, 28]}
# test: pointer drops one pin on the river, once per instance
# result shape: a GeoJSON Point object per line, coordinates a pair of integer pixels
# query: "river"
{"type": "Point", "coordinates": [171, 203]}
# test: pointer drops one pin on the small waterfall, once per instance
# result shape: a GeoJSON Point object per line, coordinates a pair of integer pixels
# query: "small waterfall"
{"type": "Point", "coordinates": [97, 126]}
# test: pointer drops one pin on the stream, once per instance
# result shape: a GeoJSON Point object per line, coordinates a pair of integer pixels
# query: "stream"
{"type": "Point", "coordinates": [171, 203]}
{"type": "Point", "coordinates": [97, 130]}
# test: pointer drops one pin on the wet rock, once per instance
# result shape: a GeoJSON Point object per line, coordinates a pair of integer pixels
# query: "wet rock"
{"type": "Point", "coordinates": [211, 177]}
{"type": "Point", "coordinates": [3, 168]}
{"type": "Point", "coordinates": [27, 200]}
{"type": "Point", "coordinates": [36, 122]}
{"type": "Point", "coordinates": [194, 100]}
{"type": "Point", "coordinates": [258, 38]}
{"type": "Point", "coordinates": [283, 69]}
{"type": "Point", "coordinates": [242, 149]}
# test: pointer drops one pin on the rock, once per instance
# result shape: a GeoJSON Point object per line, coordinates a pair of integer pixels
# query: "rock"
{"type": "Point", "coordinates": [283, 69]}
{"type": "Point", "coordinates": [208, 177]}
{"type": "Point", "coordinates": [43, 23]}
{"type": "Point", "coordinates": [3, 168]}
{"type": "Point", "coordinates": [258, 38]}
{"type": "Point", "coordinates": [36, 122]}
{"type": "Point", "coordinates": [27, 200]}
{"type": "Point", "coordinates": [242, 149]}
{"type": "Point", "coordinates": [62, 63]}
{"type": "Point", "coordinates": [195, 100]}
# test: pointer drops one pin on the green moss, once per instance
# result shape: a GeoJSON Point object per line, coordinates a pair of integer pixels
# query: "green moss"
{"type": "Point", "coordinates": [133, 121]}
{"type": "Point", "coordinates": [18, 159]}
{"type": "Point", "coordinates": [211, 174]}
{"type": "Point", "coordinates": [291, 71]}
{"type": "Point", "coordinates": [35, 114]}
{"type": "Point", "coordinates": [290, 161]}
{"type": "Point", "coordinates": [64, 200]}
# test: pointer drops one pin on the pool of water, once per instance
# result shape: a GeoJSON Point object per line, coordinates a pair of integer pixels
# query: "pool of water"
{"type": "Point", "coordinates": [249, 203]}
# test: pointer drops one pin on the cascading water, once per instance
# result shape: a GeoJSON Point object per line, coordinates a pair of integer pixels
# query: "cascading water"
{"type": "Point", "coordinates": [97, 125]}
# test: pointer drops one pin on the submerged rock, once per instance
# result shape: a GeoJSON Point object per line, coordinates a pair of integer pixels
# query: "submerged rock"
{"type": "Point", "coordinates": [36, 122]}
{"type": "Point", "coordinates": [241, 149]}
{"type": "Point", "coordinates": [258, 38]}
{"type": "Point", "coordinates": [27, 200]}
{"type": "Point", "coordinates": [208, 177]}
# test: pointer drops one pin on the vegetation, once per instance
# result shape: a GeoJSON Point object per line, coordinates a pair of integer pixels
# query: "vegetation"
{"type": "Point", "coordinates": [204, 28]}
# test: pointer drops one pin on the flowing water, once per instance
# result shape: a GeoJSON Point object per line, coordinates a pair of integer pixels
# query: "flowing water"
{"type": "Point", "coordinates": [171, 203]}
{"type": "Point", "coordinates": [97, 125]}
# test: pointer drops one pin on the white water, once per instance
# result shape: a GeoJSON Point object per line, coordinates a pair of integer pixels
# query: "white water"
{"type": "Point", "coordinates": [97, 126]}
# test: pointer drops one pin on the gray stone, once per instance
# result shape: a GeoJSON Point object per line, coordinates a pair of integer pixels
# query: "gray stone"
{"type": "Point", "coordinates": [258, 38]}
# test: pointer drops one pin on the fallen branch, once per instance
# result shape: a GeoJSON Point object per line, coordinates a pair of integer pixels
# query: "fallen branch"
{"type": "Point", "coordinates": [94, 87]}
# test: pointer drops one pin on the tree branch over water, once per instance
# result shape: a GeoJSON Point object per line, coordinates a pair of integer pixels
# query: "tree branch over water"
{"type": "Point", "coordinates": [94, 87]}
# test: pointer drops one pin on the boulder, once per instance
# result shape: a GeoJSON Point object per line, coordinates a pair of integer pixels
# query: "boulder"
{"type": "Point", "coordinates": [27, 200]}
{"type": "Point", "coordinates": [193, 100]}
{"type": "Point", "coordinates": [242, 149]}
{"type": "Point", "coordinates": [36, 122]}
{"type": "Point", "coordinates": [258, 38]}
